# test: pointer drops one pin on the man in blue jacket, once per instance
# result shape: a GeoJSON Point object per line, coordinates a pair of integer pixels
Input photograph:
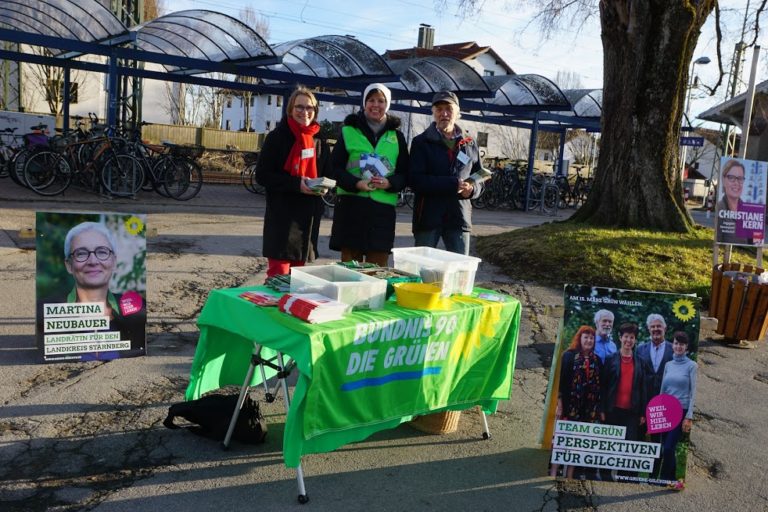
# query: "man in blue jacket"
{"type": "Point", "coordinates": [442, 159]}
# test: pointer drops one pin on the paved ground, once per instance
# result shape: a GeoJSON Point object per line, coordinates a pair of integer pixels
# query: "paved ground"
{"type": "Point", "coordinates": [90, 436]}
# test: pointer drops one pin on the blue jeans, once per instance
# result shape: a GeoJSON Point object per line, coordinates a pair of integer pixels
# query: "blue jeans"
{"type": "Point", "coordinates": [455, 239]}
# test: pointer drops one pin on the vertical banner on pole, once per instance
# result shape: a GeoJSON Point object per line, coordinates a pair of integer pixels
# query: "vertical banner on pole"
{"type": "Point", "coordinates": [740, 207]}
{"type": "Point", "coordinates": [90, 286]}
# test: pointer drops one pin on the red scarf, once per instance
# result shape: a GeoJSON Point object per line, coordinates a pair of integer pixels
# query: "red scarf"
{"type": "Point", "coordinates": [294, 164]}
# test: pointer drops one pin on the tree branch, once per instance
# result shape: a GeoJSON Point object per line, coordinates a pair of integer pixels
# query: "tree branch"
{"type": "Point", "coordinates": [719, 33]}
{"type": "Point", "coordinates": [756, 25]}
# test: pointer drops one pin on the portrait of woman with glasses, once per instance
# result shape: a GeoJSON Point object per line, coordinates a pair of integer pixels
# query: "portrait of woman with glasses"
{"type": "Point", "coordinates": [87, 320]}
{"type": "Point", "coordinates": [741, 209]}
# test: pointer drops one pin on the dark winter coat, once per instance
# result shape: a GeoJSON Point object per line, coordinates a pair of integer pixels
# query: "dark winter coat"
{"type": "Point", "coordinates": [359, 222]}
{"type": "Point", "coordinates": [435, 175]}
{"type": "Point", "coordinates": [292, 219]}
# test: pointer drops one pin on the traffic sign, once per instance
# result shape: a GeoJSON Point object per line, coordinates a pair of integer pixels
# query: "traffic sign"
{"type": "Point", "coordinates": [692, 141]}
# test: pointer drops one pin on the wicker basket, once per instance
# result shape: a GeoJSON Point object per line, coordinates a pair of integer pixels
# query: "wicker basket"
{"type": "Point", "coordinates": [444, 422]}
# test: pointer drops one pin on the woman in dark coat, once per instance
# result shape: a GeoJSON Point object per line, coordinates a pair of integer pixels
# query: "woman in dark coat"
{"type": "Point", "coordinates": [370, 164]}
{"type": "Point", "coordinates": [578, 397]}
{"type": "Point", "coordinates": [291, 154]}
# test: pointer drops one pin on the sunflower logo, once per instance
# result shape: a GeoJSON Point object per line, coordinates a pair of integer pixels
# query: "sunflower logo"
{"type": "Point", "coordinates": [684, 309]}
{"type": "Point", "coordinates": [134, 225]}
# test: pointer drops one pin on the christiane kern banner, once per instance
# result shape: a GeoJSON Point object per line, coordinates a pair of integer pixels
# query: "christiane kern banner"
{"type": "Point", "coordinates": [741, 202]}
{"type": "Point", "coordinates": [91, 285]}
{"type": "Point", "coordinates": [622, 387]}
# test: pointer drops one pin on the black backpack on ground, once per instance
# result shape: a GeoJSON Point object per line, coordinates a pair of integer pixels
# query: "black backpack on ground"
{"type": "Point", "coordinates": [212, 413]}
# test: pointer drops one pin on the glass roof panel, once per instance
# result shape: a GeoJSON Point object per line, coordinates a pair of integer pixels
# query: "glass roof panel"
{"type": "Point", "coordinates": [526, 91]}
{"type": "Point", "coordinates": [203, 35]}
{"type": "Point", "coordinates": [330, 57]}
{"type": "Point", "coordinates": [431, 74]}
{"type": "Point", "coordinates": [84, 20]}
{"type": "Point", "coordinates": [585, 102]}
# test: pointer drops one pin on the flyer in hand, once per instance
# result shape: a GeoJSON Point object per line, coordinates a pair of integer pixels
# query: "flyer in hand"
{"type": "Point", "coordinates": [622, 389]}
{"type": "Point", "coordinates": [373, 165]}
{"type": "Point", "coordinates": [480, 176]}
{"type": "Point", "coordinates": [321, 184]}
{"type": "Point", "coordinates": [312, 307]}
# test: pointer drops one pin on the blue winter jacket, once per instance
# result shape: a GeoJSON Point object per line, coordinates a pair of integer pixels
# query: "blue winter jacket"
{"type": "Point", "coordinates": [434, 176]}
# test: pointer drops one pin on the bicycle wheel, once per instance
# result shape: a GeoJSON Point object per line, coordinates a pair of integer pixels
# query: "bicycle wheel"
{"type": "Point", "coordinates": [255, 185]}
{"type": "Point", "coordinates": [517, 196]}
{"type": "Point", "coordinates": [246, 177]}
{"type": "Point", "coordinates": [534, 198]}
{"type": "Point", "coordinates": [183, 178]}
{"type": "Point", "coordinates": [550, 198]}
{"type": "Point", "coordinates": [5, 160]}
{"type": "Point", "coordinates": [408, 198]}
{"type": "Point", "coordinates": [16, 166]}
{"type": "Point", "coordinates": [122, 175]}
{"type": "Point", "coordinates": [329, 198]}
{"type": "Point", "coordinates": [47, 173]}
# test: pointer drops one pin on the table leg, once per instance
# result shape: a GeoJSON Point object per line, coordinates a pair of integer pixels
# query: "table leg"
{"type": "Point", "coordinates": [486, 430]}
{"type": "Point", "coordinates": [240, 400]}
{"type": "Point", "coordinates": [303, 497]}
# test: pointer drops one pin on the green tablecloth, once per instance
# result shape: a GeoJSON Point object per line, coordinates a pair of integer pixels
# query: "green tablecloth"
{"type": "Point", "coordinates": [368, 372]}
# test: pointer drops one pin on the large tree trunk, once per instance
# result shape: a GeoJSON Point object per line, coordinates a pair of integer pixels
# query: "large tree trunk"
{"type": "Point", "coordinates": [647, 49]}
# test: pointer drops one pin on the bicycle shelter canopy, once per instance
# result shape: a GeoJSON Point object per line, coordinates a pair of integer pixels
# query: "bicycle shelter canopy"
{"type": "Point", "coordinates": [428, 75]}
{"type": "Point", "coordinates": [82, 20]}
{"type": "Point", "coordinates": [190, 43]}
{"type": "Point", "coordinates": [202, 34]}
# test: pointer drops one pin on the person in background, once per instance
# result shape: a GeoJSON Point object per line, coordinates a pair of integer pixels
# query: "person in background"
{"type": "Point", "coordinates": [604, 345]}
{"type": "Point", "coordinates": [442, 159]}
{"type": "Point", "coordinates": [370, 164]}
{"type": "Point", "coordinates": [579, 394]}
{"type": "Point", "coordinates": [679, 381]}
{"type": "Point", "coordinates": [292, 153]}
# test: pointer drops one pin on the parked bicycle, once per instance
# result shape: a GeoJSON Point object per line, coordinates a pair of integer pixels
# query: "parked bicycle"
{"type": "Point", "coordinates": [50, 171]}
{"type": "Point", "coordinates": [248, 175]}
{"type": "Point", "coordinates": [31, 142]}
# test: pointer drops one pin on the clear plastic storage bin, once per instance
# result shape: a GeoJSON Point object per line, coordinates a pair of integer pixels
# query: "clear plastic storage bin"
{"type": "Point", "coordinates": [454, 273]}
{"type": "Point", "coordinates": [336, 282]}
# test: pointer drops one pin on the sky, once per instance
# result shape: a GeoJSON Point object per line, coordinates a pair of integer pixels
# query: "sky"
{"type": "Point", "coordinates": [505, 25]}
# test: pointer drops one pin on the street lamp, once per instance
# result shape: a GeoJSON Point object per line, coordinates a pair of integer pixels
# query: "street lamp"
{"type": "Point", "coordinates": [701, 60]}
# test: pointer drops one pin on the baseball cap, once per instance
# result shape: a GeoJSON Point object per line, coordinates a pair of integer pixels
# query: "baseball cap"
{"type": "Point", "coordinates": [445, 97]}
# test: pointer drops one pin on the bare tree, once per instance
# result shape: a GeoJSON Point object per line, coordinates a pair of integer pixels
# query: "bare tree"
{"type": "Point", "coordinates": [580, 146]}
{"type": "Point", "coordinates": [153, 9]}
{"type": "Point", "coordinates": [198, 105]}
{"type": "Point", "coordinates": [260, 25]}
{"type": "Point", "coordinates": [45, 83]}
{"type": "Point", "coordinates": [568, 79]}
{"type": "Point", "coordinates": [648, 46]}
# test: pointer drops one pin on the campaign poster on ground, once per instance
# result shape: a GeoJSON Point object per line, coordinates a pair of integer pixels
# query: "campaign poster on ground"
{"type": "Point", "coordinates": [622, 386]}
{"type": "Point", "coordinates": [90, 286]}
{"type": "Point", "coordinates": [740, 207]}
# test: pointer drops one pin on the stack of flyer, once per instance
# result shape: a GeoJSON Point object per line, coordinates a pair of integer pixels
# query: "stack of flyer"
{"type": "Point", "coordinates": [321, 184]}
{"type": "Point", "coordinates": [259, 298]}
{"type": "Point", "coordinates": [312, 307]}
